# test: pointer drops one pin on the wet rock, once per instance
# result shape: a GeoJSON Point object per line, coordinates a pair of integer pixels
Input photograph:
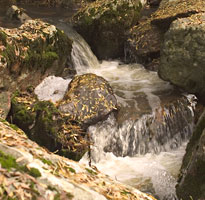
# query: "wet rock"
{"type": "Point", "coordinates": [103, 25]}
{"type": "Point", "coordinates": [191, 182]}
{"type": "Point", "coordinates": [40, 174]}
{"type": "Point", "coordinates": [89, 99]}
{"type": "Point", "coordinates": [15, 13]}
{"type": "Point", "coordinates": [183, 55]}
{"type": "Point", "coordinates": [43, 123]}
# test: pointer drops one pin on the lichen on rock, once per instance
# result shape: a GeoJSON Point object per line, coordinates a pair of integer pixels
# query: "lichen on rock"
{"type": "Point", "coordinates": [183, 55]}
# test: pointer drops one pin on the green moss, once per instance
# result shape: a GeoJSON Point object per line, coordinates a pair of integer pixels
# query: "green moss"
{"type": "Point", "coordinates": [9, 54]}
{"type": "Point", "coordinates": [45, 161]}
{"type": "Point", "coordinates": [34, 172]}
{"type": "Point", "coordinates": [22, 117]}
{"type": "Point", "coordinates": [8, 162]}
{"type": "Point", "coordinates": [124, 192]}
{"type": "Point", "coordinates": [58, 196]}
{"type": "Point", "coordinates": [3, 38]}
{"type": "Point", "coordinates": [72, 170]}
{"type": "Point", "coordinates": [91, 171]}
{"type": "Point", "coordinates": [69, 195]}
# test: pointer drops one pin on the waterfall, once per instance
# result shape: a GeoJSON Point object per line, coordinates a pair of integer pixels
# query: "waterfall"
{"type": "Point", "coordinates": [143, 144]}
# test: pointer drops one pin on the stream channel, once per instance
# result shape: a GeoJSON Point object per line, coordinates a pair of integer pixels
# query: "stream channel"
{"type": "Point", "coordinates": [144, 143]}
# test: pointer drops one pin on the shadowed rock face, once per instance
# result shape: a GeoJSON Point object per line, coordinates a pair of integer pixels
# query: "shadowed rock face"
{"type": "Point", "coordinates": [191, 182]}
{"type": "Point", "coordinates": [183, 55]}
{"type": "Point", "coordinates": [43, 123]}
{"type": "Point", "coordinates": [89, 99]}
{"type": "Point", "coordinates": [104, 23]}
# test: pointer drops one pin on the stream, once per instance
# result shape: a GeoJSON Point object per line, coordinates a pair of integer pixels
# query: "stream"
{"type": "Point", "coordinates": [143, 145]}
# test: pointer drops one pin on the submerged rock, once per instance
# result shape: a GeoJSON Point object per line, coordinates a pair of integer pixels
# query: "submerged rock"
{"type": "Point", "coordinates": [183, 55]}
{"type": "Point", "coordinates": [28, 171]}
{"type": "Point", "coordinates": [103, 24]}
{"type": "Point", "coordinates": [89, 99]}
{"type": "Point", "coordinates": [191, 182]}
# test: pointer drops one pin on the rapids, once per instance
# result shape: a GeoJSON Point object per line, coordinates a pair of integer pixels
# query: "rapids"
{"type": "Point", "coordinates": [143, 145]}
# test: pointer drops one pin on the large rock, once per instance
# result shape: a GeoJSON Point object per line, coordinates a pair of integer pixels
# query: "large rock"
{"type": "Point", "coordinates": [28, 171]}
{"type": "Point", "coordinates": [103, 24]}
{"type": "Point", "coordinates": [183, 55]}
{"type": "Point", "coordinates": [143, 44]}
{"type": "Point", "coordinates": [145, 39]}
{"type": "Point", "coordinates": [43, 123]}
{"type": "Point", "coordinates": [191, 182]}
{"type": "Point", "coordinates": [170, 10]}
{"type": "Point", "coordinates": [89, 99]}
{"type": "Point", "coordinates": [32, 51]}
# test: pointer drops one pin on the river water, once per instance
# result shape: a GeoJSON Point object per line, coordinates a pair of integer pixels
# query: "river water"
{"type": "Point", "coordinates": [143, 145]}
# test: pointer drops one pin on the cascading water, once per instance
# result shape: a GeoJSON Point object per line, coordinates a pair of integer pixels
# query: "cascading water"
{"type": "Point", "coordinates": [152, 126]}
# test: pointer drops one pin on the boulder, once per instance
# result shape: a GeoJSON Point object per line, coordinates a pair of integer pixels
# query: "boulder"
{"type": "Point", "coordinates": [31, 51]}
{"type": "Point", "coordinates": [183, 55]}
{"type": "Point", "coordinates": [170, 10]}
{"type": "Point", "coordinates": [28, 171]}
{"type": "Point", "coordinates": [143, 44]}
{"type": "Point", "coordinates": [191, 183]}
{"type": "Point", "coordinates": [43, 123]}
{"type": "Point", "coordinates": [146, 38]}
{"type": "Point", "coordinates": [103, 24]}
{"type": "Point", "coordinates": [89, 99]}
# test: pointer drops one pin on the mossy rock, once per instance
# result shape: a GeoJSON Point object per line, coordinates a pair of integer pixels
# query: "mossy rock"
{"type": "Point", "coordinates": [88, 100]}
{"type": "Point", "coordinates": [35, 47]}
{"type": "Point", "coordinates": [191, 181]}
{"type": "Point", "coordinates": [43, 123]}
{"type": "Point", "coordinates": [103, 24]}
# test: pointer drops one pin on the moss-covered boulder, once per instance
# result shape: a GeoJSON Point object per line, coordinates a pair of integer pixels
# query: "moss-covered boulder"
{"type": "Point", "coordinates": [103, 24]}
{"type": "Point", "coordinates": [183, 55]}
{"type": "Point", "coordinates": [32, 51]}
{"type": "Point", "coordinates": [89, 99]}
{"type": "Point", "coordinates": [43, 123]}
{"type": "Point", "coordinates": [191, 183]}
